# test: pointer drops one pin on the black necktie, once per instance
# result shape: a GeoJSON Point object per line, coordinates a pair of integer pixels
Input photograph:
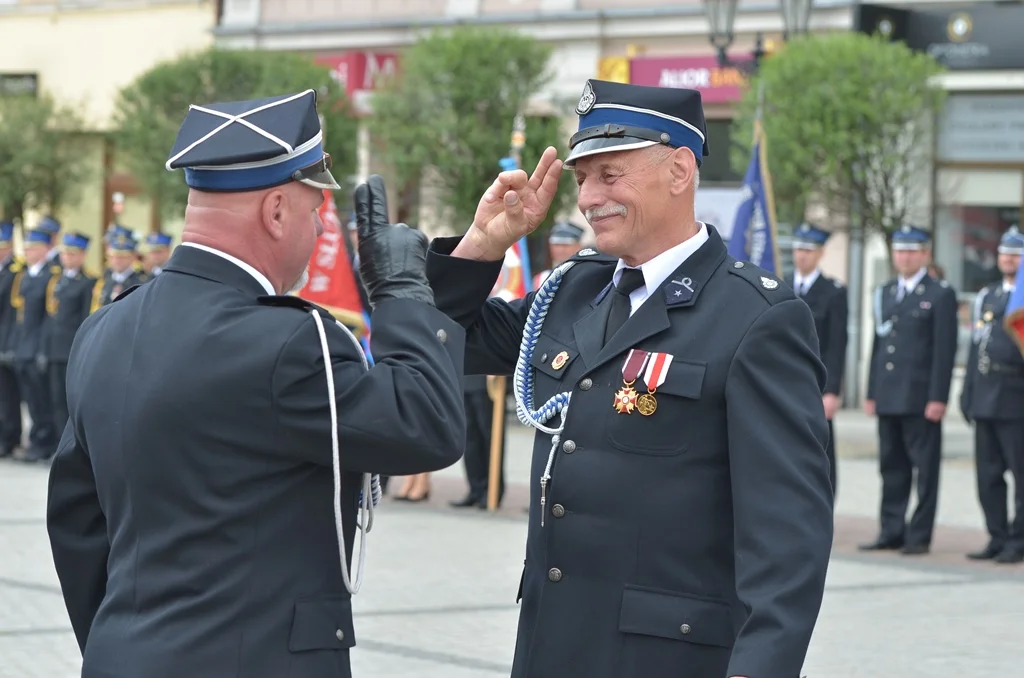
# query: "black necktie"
{"type": "Point", "coordinates": [631, 279]}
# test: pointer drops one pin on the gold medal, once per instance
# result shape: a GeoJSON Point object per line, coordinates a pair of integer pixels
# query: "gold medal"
{"type": "Point", "coordinates": [647, 404]}
{"type": "Point", "coordinates": [625, 397]}
{"type": "Point", "coordinates": [988, 316]}
{"type": "Point", "coordinates": [625, 400]}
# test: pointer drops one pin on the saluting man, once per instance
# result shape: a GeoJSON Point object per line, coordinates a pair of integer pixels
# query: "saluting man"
{"type": "Point", "coordinates": [124, 270]}
{"type": "Point", "coordinates": [53, 227]}
{"type": "Point", "coordinates": [679, 478]}
{"type": "Point", "coordinates": [69, 304]}
{"type": "Point", "coordinates": [993, 400]}
{"type": "Point", "coordinates": [828, 302]}
{"type": "Point", "coordinates": [158, 251]}
{"type": "Point", "coordinates": [203, 506]}
{"type": "Point", "coordinates": [564, 240]}
{"type": "Point", "coordinates": [908, 388]}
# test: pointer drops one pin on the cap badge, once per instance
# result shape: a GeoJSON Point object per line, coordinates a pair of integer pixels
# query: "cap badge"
{"type": "Point", "coordinates": [587, 99]}
{"type": "Point", "coordinates": [768, 283]}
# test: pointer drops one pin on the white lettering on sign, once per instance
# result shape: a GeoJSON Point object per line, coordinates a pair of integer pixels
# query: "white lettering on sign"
{"type": "Point", "coordinates": [319, 282]}
{"type": "Point", "coordinates": [328, 251]}
{"type": "Point", "coordinates": [377, 68]}
{"type": "Point", "coordinates": [685, 78]}
{"type": "Point", "coordinates": [982, 128]}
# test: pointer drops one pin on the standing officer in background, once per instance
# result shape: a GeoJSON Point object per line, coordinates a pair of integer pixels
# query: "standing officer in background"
{"type": "Point", "coordinates": [31, 289]}
{"type": "Point", "coordinates": [828, 302]}
{"type": "Point", "coordinates": [68, 304]}
{"type": "Point", "coordinates": [477, 457]}
{"type": "Point", "coordinates": [124, 269]}
{"type": "Point", "coordinates": [563, 242]}
{"type": "Point", "coordinates": [197, 526]}
{"type": "Point", "coordinates": [908, 388]}
{"type": "Point", "coordinates": [10, 396]}
{"type": "Point", "coordinates": [51, 226]}
{"type": "Point", "coordinates": [681, 514]}
{"type": "Point", "coordinates": [158, 251]}
{"type": "Point", "coordinates": [993, 399]}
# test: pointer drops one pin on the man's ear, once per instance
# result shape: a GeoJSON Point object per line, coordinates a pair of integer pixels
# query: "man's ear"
{"type": "Point", "coordinates": [683, 166]}
{"type": "Point", "coordinates": [273, 209]}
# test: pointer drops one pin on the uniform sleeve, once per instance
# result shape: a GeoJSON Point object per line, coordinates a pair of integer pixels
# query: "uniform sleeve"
{"type": "Point", "coordinates": [870, 394]}
{"type": "Point", "coordinates": [403, 416]}
{"type": "Point", "coordinates": [835, 361]}
{"type": "Point", "coordinates": [782, 498]}
{"type": "Point", "coordinates": [945, 329]}
{"type": "Point", "coordinates": [494, 327]}
{"type": "Point", "coordinates": [78, 533]}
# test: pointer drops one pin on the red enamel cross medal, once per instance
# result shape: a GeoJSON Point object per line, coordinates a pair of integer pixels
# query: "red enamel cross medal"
{"type": "Point", "coordinates": [626, 397]}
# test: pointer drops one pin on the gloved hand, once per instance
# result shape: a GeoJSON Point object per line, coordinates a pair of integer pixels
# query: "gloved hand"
{"type": "Point", "coordinates": [392, 257]}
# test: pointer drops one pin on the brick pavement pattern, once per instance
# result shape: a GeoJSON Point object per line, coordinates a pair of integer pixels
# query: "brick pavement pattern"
{"type": "Point", "coordinates": [438, 600]}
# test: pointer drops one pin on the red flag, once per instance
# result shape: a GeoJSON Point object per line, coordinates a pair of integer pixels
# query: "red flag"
{"type": "Point", "coordinates": [332, 283]}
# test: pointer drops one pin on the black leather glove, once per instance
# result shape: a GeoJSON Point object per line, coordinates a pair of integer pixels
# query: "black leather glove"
{"type": "Point", "coordinates": [392, 257]}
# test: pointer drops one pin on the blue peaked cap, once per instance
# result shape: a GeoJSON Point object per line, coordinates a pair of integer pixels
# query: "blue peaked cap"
{"type": "Point", "coordinates": [1012, 241]}
{"type": "Point", "coordinates": [158, 240]}
{"type": "Point", "coordinates": [809, 237]}
{"type": "Point", "coordinates": [565, 233]}
{"type": "Point", "coordinates": [910, 237]}
{"type": "Point", "coordinates": [121, 241]}
{"type": "Point", "coordinates": [38, 236]}
{"type": "Point", "coordinates": [619, 117]}
{"type": "Point", "coordinates": [6, 231]}
{"type": "Point", "coordinates": [252, 145]}
{"type": "Point", "coordinates": [48, 224]}
{"type": "Point", "coordinates": [76, 240]}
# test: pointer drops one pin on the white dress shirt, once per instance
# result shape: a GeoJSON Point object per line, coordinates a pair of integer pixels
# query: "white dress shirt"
{"type": "Point", "coordinates": [260, 278]}
{"type": "Point", "coordinates": [801, 284]}
{"type": "Point", "coordinates": [660, 267]}
{"type": "Point", "coordinates": [907, 285]}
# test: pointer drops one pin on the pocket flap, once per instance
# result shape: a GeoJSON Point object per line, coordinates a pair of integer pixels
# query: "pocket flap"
{"type": "Point", "coordinates": [676, 616]}
{"type": "Point", "coordinates": [684, 379]}
{"type": "Point", "coordinates": [552, 357]}
{"type": "Point", "coordinates": [322, 624]}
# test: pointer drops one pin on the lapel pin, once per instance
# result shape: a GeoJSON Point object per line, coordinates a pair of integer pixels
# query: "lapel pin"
{"type": "Point", "coordinates": [560, 360]}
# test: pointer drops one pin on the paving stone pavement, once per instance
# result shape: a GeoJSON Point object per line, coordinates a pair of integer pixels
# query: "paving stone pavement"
{"type": "Point", "coordinates": [438, 599]}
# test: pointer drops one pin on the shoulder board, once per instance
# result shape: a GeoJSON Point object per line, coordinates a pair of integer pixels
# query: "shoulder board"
{"type": "Point", "coordinates": [125, 293]}
{"type": "Point", "coordinates": [137, 265]}
{"type": "Point", "coordinates": [590, 254]}
{"type": "Point", "coordinates": [56, 270]}
{"type": "Point", "coordinates": [761, 280]}
{"type": "Point", "coordinates": [291, 301]}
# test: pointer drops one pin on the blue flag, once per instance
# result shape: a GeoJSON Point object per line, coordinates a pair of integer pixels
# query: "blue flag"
{"type": "Point", "coordinates": [754, 235]}
{"type": "Point", "coordinates": [1013, 321]}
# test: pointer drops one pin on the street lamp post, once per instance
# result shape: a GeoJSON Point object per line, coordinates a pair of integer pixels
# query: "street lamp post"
{"type": "Point", "coordinates": [721, 15]}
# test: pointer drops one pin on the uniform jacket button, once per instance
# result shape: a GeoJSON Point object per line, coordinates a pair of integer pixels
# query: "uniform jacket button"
{"type": "Point", "coordinates": [586, 384]}
{"type": "Point", "coordinates": [558, 510]}
{"type": "Point", "coordinates": [554, 574]}
{"type": "Point", "coordinates": [890, 348]}
{"type": "Point", "coordinates": [684, 629]}
{"type": "Point", "coordinates": [340, 634]}
{"type": "Point", "coordinates": [569, 447]}
{"type": "Point", "coordinates": [543, 357]}
{"type": "Point", "coordinates": [889, 366]}
{"type": "Point", "coordinates": [442, 337]}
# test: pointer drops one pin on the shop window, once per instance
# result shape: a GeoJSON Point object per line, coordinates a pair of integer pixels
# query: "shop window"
{"type": "Point", "coordinates": [716, 167]}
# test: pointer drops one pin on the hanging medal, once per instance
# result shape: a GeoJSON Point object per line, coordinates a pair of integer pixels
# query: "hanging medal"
{"type": "Point", "coordinates": [626, 397]}
{"type": "Point", "coordinates": [654, 376]}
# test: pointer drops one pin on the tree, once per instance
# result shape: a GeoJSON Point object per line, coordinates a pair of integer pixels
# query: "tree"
{"type": "Point", "coordinates": [451, 109]}
{"type": "Point", "coordinates": [150, 110]}
{"type": "Point", "coordinates": [43, 163]}
{"type": "Point", "coordinates": [848, 124]}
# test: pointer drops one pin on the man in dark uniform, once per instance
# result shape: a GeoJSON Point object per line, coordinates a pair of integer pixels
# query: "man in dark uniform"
{"type": "Point", "coordinates": [827, 299]}
{"type": "Point", "coordinates": [52, 226]}
{"type": "Point", "coordinates": [679, 479]}
{"type": "Point", "coordinates": [993, 399]}
{"type": "Point", "coordinates": [124, 268]}
{"type": "Point", "coordinates": [69, 304]}
{"type": "Point", "coordinates": [908, 388]}
{"type": "Point", "coordinates": [477, 457]}
{"type": "Point", "coordinates": [564, 240]}
{"type": "Point", "coordinates": [158, 251]}
{"type": "Point", "coordinates": [30, 291]}
{"type": "Point", "coordinates": [10, 396]}
{"type": "Point", "coordinates": [223, 432]}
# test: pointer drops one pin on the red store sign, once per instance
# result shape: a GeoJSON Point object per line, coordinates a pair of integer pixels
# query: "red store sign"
{"type": "Point", "coordinates": [360, 73]}
{"type": "Point", "coordinates": [716, 84]}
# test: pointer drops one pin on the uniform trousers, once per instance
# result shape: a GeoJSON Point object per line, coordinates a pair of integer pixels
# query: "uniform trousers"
{"type": "Point", "coordinates": [998, 448]}
{"type": "Point", "coordinates": [909, 443]}
{"type": "Point", "coordinates": [35, 389]}
{"type": "Point", "coordinates": [477, 458]}
{"type": "Point", "coordinates": [59, 394]}
{"type": "Point", "coordinates": [10, 410]}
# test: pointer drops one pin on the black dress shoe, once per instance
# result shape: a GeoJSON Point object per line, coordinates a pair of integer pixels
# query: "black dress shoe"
{"type": "Point", "coordinates": [882, 545]}
{"type": "Point", "coordinates": [36, 454]}
{"type": "Point", "coordinates": [468, 501]}
{"type": "Point", "coordinates": [915, 549]}
{"type": "Point", "coordinates": [987, 553]}
{"type": "Point", "coordinates": [1010, 555]}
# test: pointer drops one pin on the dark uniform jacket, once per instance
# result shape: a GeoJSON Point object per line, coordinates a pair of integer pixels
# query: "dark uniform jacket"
{"type": "Point", "coordinates": [29, 295]}
{"type": "Point", "coordinates": [912, 357]}
{"type": "Point", "coordinates": [70, 305]}
{"type": "Point", "coordinates": [8, 315]}
{"type": "Point", "coordinates": [107, 289]}
{"type": "Point", "coordinates": [828, 301]}
{"type": "Point", "coordinates": [689, 543]}
{"type": "Point", "coordinates": [192, 524]}
{"type": "Point", "coordinates": [994, 378]}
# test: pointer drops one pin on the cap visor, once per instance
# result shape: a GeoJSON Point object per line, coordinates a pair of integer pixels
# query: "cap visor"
{"type": "Point", "coordinates": [605, 145]}
{"type": "Point", "coordinates": [323, 180]}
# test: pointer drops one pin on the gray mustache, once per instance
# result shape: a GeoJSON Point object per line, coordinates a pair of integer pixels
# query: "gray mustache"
{"type": "Point", "coordinates": [607, 211]}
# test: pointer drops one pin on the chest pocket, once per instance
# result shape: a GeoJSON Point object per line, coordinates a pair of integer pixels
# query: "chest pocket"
{"type": "Point", "coordinates": [552, 359]}
{"type": "Point", "coordinates": [664, 432]}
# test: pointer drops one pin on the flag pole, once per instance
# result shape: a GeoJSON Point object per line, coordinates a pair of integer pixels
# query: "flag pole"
{"type": "Point", "coordinates": [766, 178]}
{"type": "Point", "coordinates": [497, 386]}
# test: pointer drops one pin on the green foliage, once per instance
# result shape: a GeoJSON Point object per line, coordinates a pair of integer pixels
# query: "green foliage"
{"type": "Point", "coordinates": [43, 162]}
{"type": "Point", "coordinates": [451, 109]}
{"type": "Point", "coordinates": [150, 110]}
{"type": "Point", "coordinates": [847, 118]}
